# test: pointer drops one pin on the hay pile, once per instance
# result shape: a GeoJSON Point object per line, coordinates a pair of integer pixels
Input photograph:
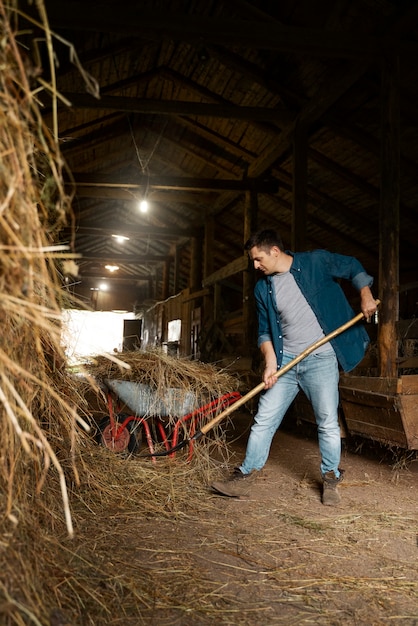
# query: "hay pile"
{"type": "Point", "coordinates": [34, 411]}
{"type": "Point", "coordinates": [161, 373]}
{"type": "Point", "coordinates": [58, 488]}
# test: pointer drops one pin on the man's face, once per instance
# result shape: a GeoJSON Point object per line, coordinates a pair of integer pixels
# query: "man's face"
{"type": "Point", "coordinates": [265, 261]}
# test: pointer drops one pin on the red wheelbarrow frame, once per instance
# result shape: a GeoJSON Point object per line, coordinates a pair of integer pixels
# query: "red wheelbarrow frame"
{"type": "Point", "coordinates": [195, 416]}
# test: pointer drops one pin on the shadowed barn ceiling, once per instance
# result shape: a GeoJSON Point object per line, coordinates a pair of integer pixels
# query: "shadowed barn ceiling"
{"type": "Point", "coordinates": [199, 107]}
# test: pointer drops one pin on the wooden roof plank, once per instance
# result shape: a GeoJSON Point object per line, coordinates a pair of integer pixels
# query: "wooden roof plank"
{"type": "Point", "coordinates": [249, 33]}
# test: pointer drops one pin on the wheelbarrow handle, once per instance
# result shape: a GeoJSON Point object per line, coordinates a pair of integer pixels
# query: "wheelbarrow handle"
{"type": "Point", "coordinates": [233, 407]}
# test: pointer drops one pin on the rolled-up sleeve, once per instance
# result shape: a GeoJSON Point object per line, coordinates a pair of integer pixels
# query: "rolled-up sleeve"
{"type": "Point", "coordinates": [362, 280]}
{"type": "Point", "coordinates": [348, 267]}
{"type": "Point", "coordinates": [264, 333]}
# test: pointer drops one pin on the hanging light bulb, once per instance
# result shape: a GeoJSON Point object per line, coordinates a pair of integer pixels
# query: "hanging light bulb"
{"type": "Point", "coordinates": [143, 206]}
{"type": "Point", "coordinates": [120, 238]}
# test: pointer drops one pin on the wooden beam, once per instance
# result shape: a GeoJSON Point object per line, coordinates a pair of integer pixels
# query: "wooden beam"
{"type": "Point", "coordinates": [141, 182]}
{"type": "Point", "coordinates": [127, 259]}
{"type": "Point", "coordinates": [136, 232]}
{"type": "Point", "coordinates": [408, 286]}
{"type": "Point", "coordinates": [118, 193]}
{"type": "Point", "coordinates": [236, 266]}
{"type": "Point", "coordinates": [94, 276]}
{"type": "Point", "coordinates": [193, 295]}
{"type": "Point", "coordinates": [173, 107]}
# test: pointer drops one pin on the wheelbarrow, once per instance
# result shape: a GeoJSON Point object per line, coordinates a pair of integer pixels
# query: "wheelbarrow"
{"type": "Point", "coordinates": [161, 419]}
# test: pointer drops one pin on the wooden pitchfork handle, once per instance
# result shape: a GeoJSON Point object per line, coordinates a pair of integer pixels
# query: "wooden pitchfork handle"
{"type": "Point", "coordinates": [233, 407]}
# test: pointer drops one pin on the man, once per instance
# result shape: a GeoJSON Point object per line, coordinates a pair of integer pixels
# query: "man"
{"type": "Point", "coordinates": [299, 300]}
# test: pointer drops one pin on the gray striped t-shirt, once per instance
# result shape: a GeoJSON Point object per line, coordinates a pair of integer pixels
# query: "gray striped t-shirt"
{"type": "Point", "coordinates": [299, 324]}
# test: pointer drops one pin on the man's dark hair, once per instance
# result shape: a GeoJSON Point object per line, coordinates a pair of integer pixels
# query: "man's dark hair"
{"type": "Point", "coordinates": [265, 240]}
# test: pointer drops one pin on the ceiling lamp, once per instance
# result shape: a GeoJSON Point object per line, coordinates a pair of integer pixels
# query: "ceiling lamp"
{"type": "Point", "coordinates": [143, 206]}
{"type": "Point", "coordinates": [112, 268]}
{"type": "Point", "coordinates": [120, 238]}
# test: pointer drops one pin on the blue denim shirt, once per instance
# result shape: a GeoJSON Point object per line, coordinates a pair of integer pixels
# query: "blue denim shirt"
{"type": "Point", "coordinates": [316, 274]}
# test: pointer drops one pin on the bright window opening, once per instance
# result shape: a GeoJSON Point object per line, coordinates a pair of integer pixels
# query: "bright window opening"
{"type": "Point", "coordinates": [88, 333]}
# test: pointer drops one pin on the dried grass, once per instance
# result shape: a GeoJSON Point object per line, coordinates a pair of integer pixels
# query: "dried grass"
{"type": "Point", "coordinates": [34, 411]}
{"type": "Point", "coordinates": [58, 488]}
{"type": "Point", "coordinates": [161, 372]}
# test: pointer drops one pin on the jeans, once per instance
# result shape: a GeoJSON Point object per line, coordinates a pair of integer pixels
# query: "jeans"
{"type": "Point", "coordinates": [317, 375]}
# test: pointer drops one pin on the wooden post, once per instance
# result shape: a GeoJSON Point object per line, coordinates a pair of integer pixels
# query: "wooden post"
{"type": "Point", "coordinates": [300, 187]}
{"type": "Point", "coordinates": [166, 280]}
{"type": "Point", "coordinates": [195, 278]}
{"type": "Point", "coordinates": [217, 305]}
{"type": "Point", "coordinates": [177, 269]}
{"type": "Point", "coordinates": [248, 306]}
{"type": "Point", "coordinates": [389, 217]}
{"type": "Point", "coordinates": [208, 305]}
{"type": "Point", "coordinates": [186, 321]}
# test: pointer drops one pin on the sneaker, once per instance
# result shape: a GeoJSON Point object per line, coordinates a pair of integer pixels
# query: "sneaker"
{"type": "Point", "coordinates": [330, 495]}
{"type": "Point", "coordinates": [237, 484]}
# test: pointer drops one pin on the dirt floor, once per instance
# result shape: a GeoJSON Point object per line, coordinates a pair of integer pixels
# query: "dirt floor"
{"type": "Point", "coordinates": [279, 556]}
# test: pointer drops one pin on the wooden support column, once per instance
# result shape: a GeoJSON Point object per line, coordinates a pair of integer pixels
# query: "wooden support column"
{"type": "Point", "coordinates": [208, 304]}
{"type": "Point", "coordinates": [208, 246]}
{"type": "Point", "coordinates": [177, 269]}
{"type": "Point", "coordinates": [157, 292]}
{"type": "Point", "coordinates": [300, 188]}
{"type": "Point", "coordinates": [186, 318]}
{"type": "Point", "coordinates": [195, 284]}
{"type": "Point", "coordinates": [166, 280]}
{"type": "Point", "coordinates": [389, 217]}
{"type": "Point", "coordinates": [249, 317]}
{"type": "Point", "coordinates": [217, 304]}
{"type": "Point", "coordinates": [195, 278]}
{"type": "Point", "coordinates": [151, 288]}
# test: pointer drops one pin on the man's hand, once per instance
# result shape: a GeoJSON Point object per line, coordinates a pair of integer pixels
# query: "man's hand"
{"type": "Point", "coordinates": [368, 303]}
{"type": "Point", "coordinates": [269, 377]}
{"type": "Point", "coordinates": [270, 367]}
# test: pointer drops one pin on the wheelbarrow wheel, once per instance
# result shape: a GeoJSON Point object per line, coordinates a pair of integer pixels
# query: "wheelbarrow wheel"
{"type": "Point", "coordinates": [129, 439]}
